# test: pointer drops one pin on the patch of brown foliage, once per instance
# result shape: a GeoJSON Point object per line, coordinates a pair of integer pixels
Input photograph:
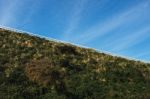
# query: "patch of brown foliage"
{"type": "Point", "coordinates": [42, 71]}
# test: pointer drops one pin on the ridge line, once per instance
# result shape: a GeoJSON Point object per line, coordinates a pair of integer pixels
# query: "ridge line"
{"type": "Point", "coordinates": [56, 40]}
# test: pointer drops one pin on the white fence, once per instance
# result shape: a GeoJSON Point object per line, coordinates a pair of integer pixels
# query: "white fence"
{"type": "Point", "coordinates": [52, 39]}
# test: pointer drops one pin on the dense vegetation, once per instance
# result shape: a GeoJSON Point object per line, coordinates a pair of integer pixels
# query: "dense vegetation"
{"type": "Point", "coordinates": [36, 68]}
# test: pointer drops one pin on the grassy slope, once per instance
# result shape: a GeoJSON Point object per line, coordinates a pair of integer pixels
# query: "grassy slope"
{"type": "Point", "coordinates": [32, 67]}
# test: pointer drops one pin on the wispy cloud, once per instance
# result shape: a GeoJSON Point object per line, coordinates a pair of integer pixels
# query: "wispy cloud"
{"type": "Point", "coordinates": [75, 17]}
{"type": "Point", "coordinates": [7, 10]}
{"type": "Point", "coordinates": [115, 22]}
{"type": "Point", "coordinates": [34, 6]}
{"type": "Point", "coordinates": [131, 39]}
{"type": "Point", "coordinates": [13, 9]}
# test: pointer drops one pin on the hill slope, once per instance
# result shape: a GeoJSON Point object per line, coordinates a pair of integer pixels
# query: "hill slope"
{"type": "Point", "coordinates": [36, 68]}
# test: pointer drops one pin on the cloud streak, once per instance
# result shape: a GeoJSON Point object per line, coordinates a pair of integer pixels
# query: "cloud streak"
{"type": "Point", "coordinates": [30, 12]}
{"type": "Point", "coordinates": [12, 12]}
{"type": "Point", "coordinates": [7, 12]}
{"type": "Point", "coordinates": [75, 17]}
{"type": "Point", "coordinates": [131, 39]}
{"type": "Point", "coordinates": [100, 29]}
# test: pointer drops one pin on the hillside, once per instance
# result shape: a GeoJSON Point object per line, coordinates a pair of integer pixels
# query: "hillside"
{"type": "Point", "coordinates": [36, 68]}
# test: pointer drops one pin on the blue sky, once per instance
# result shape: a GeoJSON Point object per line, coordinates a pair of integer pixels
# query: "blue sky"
{"type": "Point", "coordinates": [118, 26]}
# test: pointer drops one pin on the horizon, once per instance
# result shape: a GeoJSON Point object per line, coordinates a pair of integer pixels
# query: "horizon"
{"type": "Point", "coordinates": [77, 45]}
{"type": "Point", "coordinates": [120, 27]}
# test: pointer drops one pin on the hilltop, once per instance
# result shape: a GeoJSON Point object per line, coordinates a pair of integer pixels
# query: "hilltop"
{"type": "Point", "coordinates": [37, 68]}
